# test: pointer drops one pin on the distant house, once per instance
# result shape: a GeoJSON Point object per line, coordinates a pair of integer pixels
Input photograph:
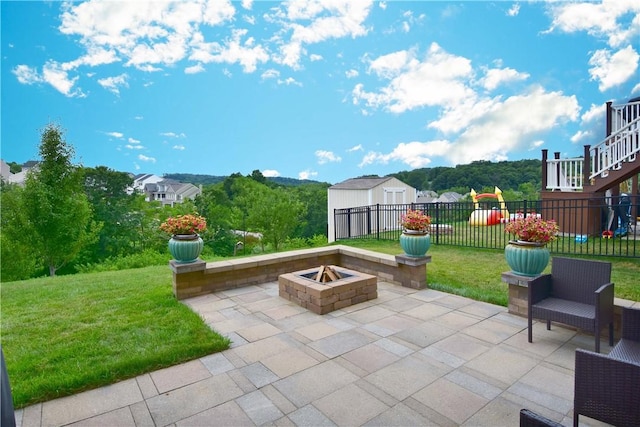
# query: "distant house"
{"type": "Point", "coordinates": [16, 178]}
{"type": "Point", "coordinates": [140, 180]}
{"type": "Point", "coordinates": [169, 192]}
{"type": "Point", "coordinates": [365, 192]}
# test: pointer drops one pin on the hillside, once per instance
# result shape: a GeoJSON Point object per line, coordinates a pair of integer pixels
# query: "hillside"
{"type": "Point", "coordinates": [197, 179]}
{"type": "Point", "coordinates": [479, 174]}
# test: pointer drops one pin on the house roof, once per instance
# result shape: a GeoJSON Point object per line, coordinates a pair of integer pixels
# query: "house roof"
{"type": "Point", "coordinates": [360, 183]}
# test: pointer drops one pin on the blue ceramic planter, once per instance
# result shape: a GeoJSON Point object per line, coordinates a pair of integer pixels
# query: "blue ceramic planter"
{"type": "Point", "coordinates": [415, 243]}
{"type": "Point", "coordinates": [185, 248]}
{"type": "Point", "coordinates": [526, 258]}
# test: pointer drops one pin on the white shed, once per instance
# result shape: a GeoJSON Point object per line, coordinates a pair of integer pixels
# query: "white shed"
{"type": "Point", "coordinates": [357, 192]}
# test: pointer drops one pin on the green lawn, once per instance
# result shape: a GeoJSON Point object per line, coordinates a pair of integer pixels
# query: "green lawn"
{"type": "Point", "coordinates": [475, 273]}
{"type": "Point", "coordinates": [66, 334]}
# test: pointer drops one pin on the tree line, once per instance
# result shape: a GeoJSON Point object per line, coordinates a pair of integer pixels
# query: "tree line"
{"type": "Point", "coordinates": [68, 218]}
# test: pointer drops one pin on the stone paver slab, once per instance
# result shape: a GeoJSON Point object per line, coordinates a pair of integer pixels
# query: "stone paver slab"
{"type": "Point", "coordinates": [451, 400]}
{"type": "Point", "coordinates": [340, 343]}
{"type": "Point", "coordinates": [189, 400]}
{"type": "Point", "coordinates": [350, 406]}
{"type": "Point", "coordinates": [313, 383]}
{"type": "Point", "coordinates": [399, 416]}
{"type": "Point", "coordinates": [290, 362]}
{"type": "Point", "coordinates": [259, 408]}
{"type": "Point", "coordinates": [180, 375]}
{"type": "Point", "coordinates": [90, 403]}
{"type": "Point", "coordinates": [371, 357]}
{"type": "Point", "coordinates": [120, 417]}
{"type": "Point", "coordinates": [406, 376]}
{"type": "Point", "coordinates": [227, 414]}
{"type": "Point", "coordinates": [317, 331]}
{"type": "Point", "coordinates": [258, 332]}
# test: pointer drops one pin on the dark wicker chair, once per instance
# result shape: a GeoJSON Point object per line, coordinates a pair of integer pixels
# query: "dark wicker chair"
{"type": "Point", "coordinates": [577, 293]}
{"type": "Point", "coordinates": [607, 387]}
{"type": "Point", "coordinates": [531, 419]}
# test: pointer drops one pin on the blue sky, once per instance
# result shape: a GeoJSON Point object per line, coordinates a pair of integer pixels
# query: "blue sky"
{"type": "Point", "coordinates": [320, 90]}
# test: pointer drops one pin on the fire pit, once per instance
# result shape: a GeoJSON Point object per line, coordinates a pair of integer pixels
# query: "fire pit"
{"type": "Point", "coordinates": [327, 288]}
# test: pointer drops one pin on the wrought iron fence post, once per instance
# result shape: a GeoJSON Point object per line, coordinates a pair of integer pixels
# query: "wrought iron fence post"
{"type": "Point", "coordinates": [378, 221]}
{"type": "Point", "coordinates": [437, 222]}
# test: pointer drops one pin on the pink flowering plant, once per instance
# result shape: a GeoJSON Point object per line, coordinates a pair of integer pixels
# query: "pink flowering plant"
{"type": "Point", "coordinates": [415, 220]}
{"type": "Point", "coordinates": [533, 229]}
{"type": "Point", "coordinates": [184, 224]}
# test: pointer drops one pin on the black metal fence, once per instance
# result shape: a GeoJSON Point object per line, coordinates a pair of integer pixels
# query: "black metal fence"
{"type": "Point", "coordinates": [587, 226]}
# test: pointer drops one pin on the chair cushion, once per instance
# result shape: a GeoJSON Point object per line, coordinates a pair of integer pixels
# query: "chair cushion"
{"type": "Point", "coordinates": [626, 350]}
{"type": "Point", "coordinates": [564, 311]}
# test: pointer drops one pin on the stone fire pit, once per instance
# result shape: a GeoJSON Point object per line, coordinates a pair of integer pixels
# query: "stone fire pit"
{"type": "Point", "coordinates": [327, 288]}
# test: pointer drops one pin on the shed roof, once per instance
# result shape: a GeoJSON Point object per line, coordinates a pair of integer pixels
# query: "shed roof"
{"type": "Point", "coordinates": [360, 183]}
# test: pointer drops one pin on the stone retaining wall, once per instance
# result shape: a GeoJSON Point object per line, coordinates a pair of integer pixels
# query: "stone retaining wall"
{"type": "Point", "coordinates": [199, 278]}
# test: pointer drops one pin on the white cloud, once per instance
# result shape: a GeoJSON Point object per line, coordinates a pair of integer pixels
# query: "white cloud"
{"type": "Point", "coordinates": [328, 20]}
{"type": "Point", "coordinates": [198, 68]}
{"type": "Point", "coordinates": [232, 50]}
{"type": "Point", "coordinates": [173, 134]}
{"type": "Point", "coordinates": [355, 148]}
{"type": "Point", "coordinates": [617, 21]}
{"type": "Point", "coordinates": [611, 70]}
{"type": "Point", "coordinates": [134, 147]}
{"type": "Point", "coordinates": [113, 84]}
{"type": "Point", "coordinates": [493, 130]}
{"type": "Point", "coordinates": [536, 144]}
{"type": "Point", "coordinates": [289, 81]}
{"type": "Point", "coordinates": [146, 35]}
{"type": "Point", "coordinates": [179, 147]}
{"type": "Point", "coordinates": [439, 79]}
{"type": "Point", "coordinates": [315, 57]}
{"type": "Point", "coordinates": [26, 74]}
{"type": "Point", "coordinates": [324, 156]}
{"type": "Point", "coordinates": [57, 77]}
{"type": "Point", "coordinates": [247, 4]}
{"type": "Point", "coordinates": [133, 141]}
{"type": "Point", "coordinates": [581, 136]}
{"type": "Point", "coordinates": [307, 174]}
{"type": "Point", "coordinates": [270, 173]}
{"type": "Point", "coordinates": [494, 77]}
{"type": "Point", "coordinates": [595, 112]}
{"type": "Point", "coordinates": [270, 74]}
{"type": "Point", "coordinates": [144, 158]}
{"type": "Point", "coordinates": [514, 10]}
{"type": "Point", "coordinates": [118, 135]}
{"type": "Point", "coordinates": [351, 73]}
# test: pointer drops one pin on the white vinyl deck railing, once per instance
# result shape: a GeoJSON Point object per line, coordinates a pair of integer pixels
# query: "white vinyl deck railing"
{"type": "Point", "coordinates": [623, 145]}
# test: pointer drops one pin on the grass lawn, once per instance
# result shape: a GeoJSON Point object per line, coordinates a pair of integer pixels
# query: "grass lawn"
{"type": "Point", "coordinates": [66, 334]}
{"type": "Point", "coordinates": [475, 273]}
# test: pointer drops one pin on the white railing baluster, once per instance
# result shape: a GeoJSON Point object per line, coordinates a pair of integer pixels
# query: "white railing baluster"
{"type": "Point", "coordinates": [622, 145]}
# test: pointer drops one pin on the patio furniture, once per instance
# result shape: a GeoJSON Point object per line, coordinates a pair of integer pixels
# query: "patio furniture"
{"type": "Point", "coordinates": [577, 293]}
{"type": "Point", "coordinates": [531, 419]}
{"type": "Point", "coordinates": [607, 387]}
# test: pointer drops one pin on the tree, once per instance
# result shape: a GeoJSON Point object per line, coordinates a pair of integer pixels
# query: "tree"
{"type": "Point", "coordinates": [55, 204]}
{"type": "Point", "coordinates": [106, 191]}
{"type": "Point", "coordinates": [19, 259]}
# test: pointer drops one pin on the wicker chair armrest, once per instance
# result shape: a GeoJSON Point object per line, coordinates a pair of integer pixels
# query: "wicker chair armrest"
{"type": "Point", "coordinates": [631, 324]}
{"type": "Point", "coordinates": [540, 288]}
{"type": "Point", "coordinates": [531, 419]}
{"type": "Point", "coordinates": [606, 389]}
{"type": "Point", "coordinates": [604, 301]}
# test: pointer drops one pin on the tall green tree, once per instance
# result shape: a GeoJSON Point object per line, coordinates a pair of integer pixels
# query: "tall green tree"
{"type": "Point", "coordinates": [57, 209]}
{"type": "Point", "coordinates": [19, 259]}
{"type": "Point", "coordinates": [106, 191]}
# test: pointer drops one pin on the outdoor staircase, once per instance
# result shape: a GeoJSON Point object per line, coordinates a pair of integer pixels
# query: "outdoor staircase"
{"type": "Point", "coordinates": [612, 161]}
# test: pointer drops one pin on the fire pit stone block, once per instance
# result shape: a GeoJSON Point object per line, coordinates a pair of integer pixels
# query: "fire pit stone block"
{"type": "Point", "coordinates": [322, 298]}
